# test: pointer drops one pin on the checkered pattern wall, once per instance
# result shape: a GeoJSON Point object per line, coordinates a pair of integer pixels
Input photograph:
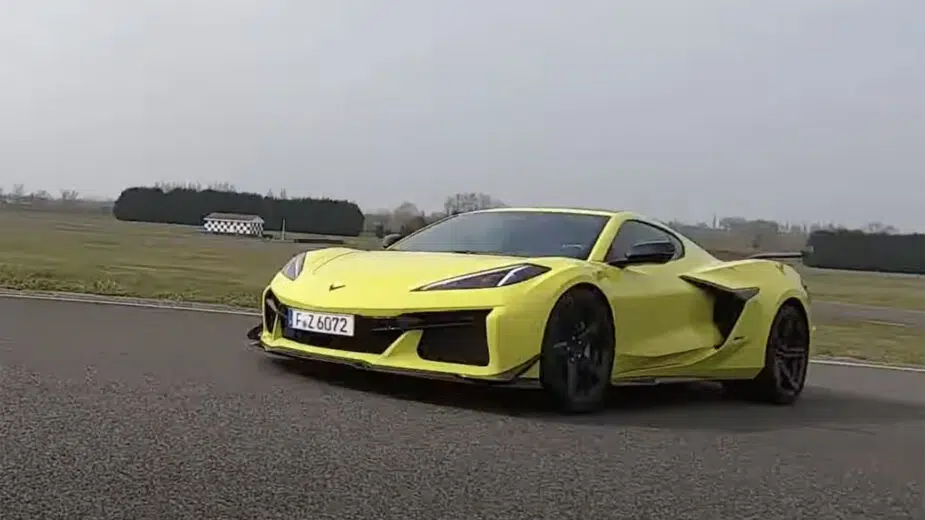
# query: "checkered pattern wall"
{"type": "Point", "coordinates": [233, 227]}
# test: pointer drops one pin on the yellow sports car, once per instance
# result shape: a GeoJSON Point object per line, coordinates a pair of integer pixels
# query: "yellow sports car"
{"type": "Point", "coordinates": [571, 300]}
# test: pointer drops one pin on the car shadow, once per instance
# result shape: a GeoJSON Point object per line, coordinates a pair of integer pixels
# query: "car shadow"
{"type": "Point", "coordinates": [688, 406]}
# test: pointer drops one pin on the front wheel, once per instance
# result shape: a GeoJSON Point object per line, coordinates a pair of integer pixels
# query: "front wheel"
{"type": "Point", "coordinates": [577, 354]}
{"type": "Point", "coordinates": [783, 377]}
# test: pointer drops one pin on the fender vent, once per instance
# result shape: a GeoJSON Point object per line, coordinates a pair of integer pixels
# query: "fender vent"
{"type": "Point", "coordinates": [728, 304]}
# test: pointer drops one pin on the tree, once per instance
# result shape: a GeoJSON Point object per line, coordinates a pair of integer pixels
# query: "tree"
{"type": "Point", "coordinates": [19, 192]}
{"type": "Point", "coordinates": [732, 223]}
{"type": "Point", "coordinates": [414, 224]}
{"type": "Point", "coordinates": [406, 209]}
{"type": "Point", "coordinates": [880, 228]}
{"type": "Point", "coordinates": [403, 215]}
{"type": "Point", "coordinates": [189, 206]}
{"type": "Point", "coordinates": [222, 186]}
{"type": "Point", "coordinates": [69, 195]}
{"type": "Point", "coordinates": [465, 202]}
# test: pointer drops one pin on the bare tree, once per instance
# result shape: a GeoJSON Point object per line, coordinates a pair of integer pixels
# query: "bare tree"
{"type": "Point", "coordinates": [221, 186]}
{"type": "Point", "coordinates": [40, 195]}
{"type": "Point", "coordinates": [403, 215]}
{"type": "Point", "coordinates": [414, 224]}
{"type": "Point", "coordinates": [879, 228]}
{"type": "Point", "coordinates": [465, 202]}
{"type": "Point", "coordinates": [19, 192]}
{"type": "Point", "coordinates": [733, 223]}
{"type": "Point", "coordinates": [69, 196]}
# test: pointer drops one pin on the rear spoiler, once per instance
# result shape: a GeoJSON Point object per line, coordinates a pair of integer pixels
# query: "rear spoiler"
{"type": "Point", "coordinates": [781, 256]}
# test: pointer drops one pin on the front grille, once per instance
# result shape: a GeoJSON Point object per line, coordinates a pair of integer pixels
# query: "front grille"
{"type": "Point", "coordinates": [363, 339]}
{"type": "Point", "coordinates": [448, 337]}
{"type": "Point", "coordinates": [369, 336]}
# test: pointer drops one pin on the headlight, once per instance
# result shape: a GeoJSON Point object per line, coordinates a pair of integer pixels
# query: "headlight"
{"type": "Point", "coordinates": [293, 267]}
{"type": "Point", "coordinates": [500, 277]}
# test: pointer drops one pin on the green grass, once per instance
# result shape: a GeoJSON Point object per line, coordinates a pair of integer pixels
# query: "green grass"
{"type": "Point", "coordinates": [96, 253]}
{"type": "Point", "coordinates": [100, 255]}
{"type": "Point", "coordinates": [905, 291]}
{"type": "Point", "coordinates": [870, 342]}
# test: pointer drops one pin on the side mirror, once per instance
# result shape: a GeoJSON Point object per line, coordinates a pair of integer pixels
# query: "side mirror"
{"type": "Point", "coordinates": [391, 239]}
{"type": "Point", "coordinates": [653, 252]}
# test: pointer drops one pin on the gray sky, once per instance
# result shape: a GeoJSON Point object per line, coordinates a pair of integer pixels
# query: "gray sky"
{"type": "Point", "coordinates": [801, 110]}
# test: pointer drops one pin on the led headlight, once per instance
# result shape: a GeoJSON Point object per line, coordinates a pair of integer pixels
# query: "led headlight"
{"type": "Point", "coordinates": [500, 277]}
{"type": "Point", "coordinates": [293, 267]}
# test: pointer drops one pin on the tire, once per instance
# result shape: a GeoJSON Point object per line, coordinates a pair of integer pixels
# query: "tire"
{"type": "Point", "coordinates": [786, 361]}
{"type": "Point", "coordinates": [577, 354]}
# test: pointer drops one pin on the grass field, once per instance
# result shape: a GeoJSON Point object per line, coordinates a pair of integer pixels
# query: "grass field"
{"type": "Point", "coordinates": [98, 254]}
{"type": "Point", "coordinates": [906, 291]}
{"type": "Point", "coordinates": [871, 342]}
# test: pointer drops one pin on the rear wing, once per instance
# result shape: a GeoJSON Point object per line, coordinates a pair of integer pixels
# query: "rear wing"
{"type": "Point", "coordinates": [779, 256]}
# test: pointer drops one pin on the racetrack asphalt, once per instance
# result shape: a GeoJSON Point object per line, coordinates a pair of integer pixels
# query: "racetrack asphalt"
{"type": "Point", "coordinates": [114, 412]}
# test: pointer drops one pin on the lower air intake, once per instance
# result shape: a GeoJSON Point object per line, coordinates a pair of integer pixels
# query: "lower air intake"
{"type": "Point", "coordinates": [455, 337]}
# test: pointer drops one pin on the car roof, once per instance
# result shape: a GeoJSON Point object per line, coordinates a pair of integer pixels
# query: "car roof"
{"type": "Point", "coordinates": [551, 209]}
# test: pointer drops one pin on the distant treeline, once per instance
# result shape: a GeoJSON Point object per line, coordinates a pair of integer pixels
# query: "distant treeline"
{"type": "Point", "coordinates": [857, 250]}
{"type": "Point", "coordinates": [189, 206]}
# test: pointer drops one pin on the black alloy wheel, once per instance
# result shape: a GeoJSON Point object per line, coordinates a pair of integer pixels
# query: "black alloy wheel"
{"type": "Point", "coordinates": [783, 377]}
{"type": "Point", "coordinates": [578, 351]}
{"type": "Point", "coordinates": [790, 340]}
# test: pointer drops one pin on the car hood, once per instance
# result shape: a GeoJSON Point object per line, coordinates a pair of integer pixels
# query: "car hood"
{"type": "Point", "coordinates": [396, 270]}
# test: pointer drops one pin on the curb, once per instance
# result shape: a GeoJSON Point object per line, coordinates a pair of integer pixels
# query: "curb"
{"type": "Point", "coordinates": [128, 301]}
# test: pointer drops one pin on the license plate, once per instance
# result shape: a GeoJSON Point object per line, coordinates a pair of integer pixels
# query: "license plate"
{"type": "Point", "coordinates": [321, 322]}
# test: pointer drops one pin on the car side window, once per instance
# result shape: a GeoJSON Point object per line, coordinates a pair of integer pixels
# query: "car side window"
{"type": "Point", "coordinates": [632, 232]}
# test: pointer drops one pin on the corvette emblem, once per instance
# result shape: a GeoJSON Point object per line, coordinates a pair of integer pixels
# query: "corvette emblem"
{"type": "Point", "coordinates": [335, 286]}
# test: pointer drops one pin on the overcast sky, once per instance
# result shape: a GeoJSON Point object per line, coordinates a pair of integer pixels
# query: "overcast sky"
{"type": "Point", "coordinates": [800, 110]}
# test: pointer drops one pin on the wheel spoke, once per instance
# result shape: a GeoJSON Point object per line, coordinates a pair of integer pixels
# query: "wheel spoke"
{"type": "Point", "coordinates": [790, 352]}
{"type": "Point", "coordinates": [788, 374]}
{"type": "Point", "coordinates": [571, 377]}
{"type": "Point", "coordinates": [786, 328]}
{"type": "Point", "coordinates": [589, 333]}
{"type": "Point", "coordinates": [590, 372]}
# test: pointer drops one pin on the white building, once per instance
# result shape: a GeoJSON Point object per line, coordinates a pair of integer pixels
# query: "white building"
{"type": "Point", "coordinates": [233, 224]}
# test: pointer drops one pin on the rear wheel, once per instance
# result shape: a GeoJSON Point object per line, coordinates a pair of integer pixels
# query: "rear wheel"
{"type": "Point", "coordinates": [783, 377]}
{"type": "Point", "coordinates": [578, 351]}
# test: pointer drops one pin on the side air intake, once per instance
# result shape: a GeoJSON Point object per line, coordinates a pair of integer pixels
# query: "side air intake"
{"type": "Point", "coordinates": [728, 304]}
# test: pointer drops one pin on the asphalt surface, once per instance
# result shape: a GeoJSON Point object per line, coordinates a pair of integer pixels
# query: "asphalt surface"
{"type": "Point", "coordinates": [852, 311]}
{"type": "Point", "coordinates": [111, 412]}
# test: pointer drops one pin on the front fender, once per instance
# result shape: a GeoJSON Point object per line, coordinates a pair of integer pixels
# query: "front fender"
{"type": "Point", "coordinates": [560, 281]}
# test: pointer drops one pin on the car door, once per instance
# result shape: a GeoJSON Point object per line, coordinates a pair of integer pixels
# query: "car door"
{"type": "Point", "coordinates": [658, 316]}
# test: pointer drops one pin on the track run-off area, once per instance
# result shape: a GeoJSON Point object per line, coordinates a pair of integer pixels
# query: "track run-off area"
{"type": "Point", "coordinates": [137, 413]}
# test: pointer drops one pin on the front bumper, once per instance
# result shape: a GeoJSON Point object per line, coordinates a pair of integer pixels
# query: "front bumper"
{"type": "Point", "coordinates": [510, 377]}
{"type": "Point", "coordinates": [461, 344]}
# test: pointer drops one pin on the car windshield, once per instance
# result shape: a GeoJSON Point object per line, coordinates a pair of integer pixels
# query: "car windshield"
{"type": "Point", "coordinates": [513, 233]}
